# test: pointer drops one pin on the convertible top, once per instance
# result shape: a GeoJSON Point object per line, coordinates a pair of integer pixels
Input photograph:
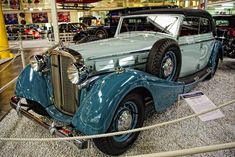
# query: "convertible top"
{"type": "Point", "coordinates": [186, 12]}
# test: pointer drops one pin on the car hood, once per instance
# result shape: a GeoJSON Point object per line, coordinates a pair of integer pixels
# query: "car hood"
{"type": "Point", "coordinates": [117, 46]}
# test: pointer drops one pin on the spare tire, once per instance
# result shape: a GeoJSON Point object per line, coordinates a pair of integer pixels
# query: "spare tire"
{"type": "Point", "coordinates": [164, 60]}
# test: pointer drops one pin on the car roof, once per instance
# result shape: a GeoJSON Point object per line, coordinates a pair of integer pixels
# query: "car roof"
{"type": "Point", "coordinates": [186, 12]}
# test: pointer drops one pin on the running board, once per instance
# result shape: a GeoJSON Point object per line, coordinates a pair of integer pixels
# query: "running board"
{"type": "Point", "coordinates": [196, 76]}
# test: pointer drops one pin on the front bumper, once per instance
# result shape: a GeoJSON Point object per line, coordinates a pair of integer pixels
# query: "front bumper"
{"type": "Point", "coordinates": [23, 109]}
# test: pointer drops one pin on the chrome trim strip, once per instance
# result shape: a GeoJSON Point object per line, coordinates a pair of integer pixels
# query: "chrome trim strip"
{"type": "Point", "coordinates": [196, 42]}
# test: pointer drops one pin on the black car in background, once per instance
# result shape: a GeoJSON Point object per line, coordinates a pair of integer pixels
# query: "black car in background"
{"type": "Point", "coordinates": [67, 28]}
{"type": "Point", "coordinates": [225, 27]}
{"type": "Point", "coordinates": [111, 23]}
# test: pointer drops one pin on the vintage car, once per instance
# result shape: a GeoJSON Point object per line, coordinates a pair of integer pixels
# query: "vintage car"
{"type": "Point", "coordinates": [107, 85]}
{"type": "Point", "coordinates": [67, 28]}
{"type": "Point", "coordinates": [225, 26]}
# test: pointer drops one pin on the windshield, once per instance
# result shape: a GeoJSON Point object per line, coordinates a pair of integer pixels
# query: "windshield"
{"type": "Point", "coordinates": [153, 23]}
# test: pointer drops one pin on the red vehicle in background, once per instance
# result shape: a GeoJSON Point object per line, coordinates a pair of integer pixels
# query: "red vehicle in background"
{"type": "Point", "coordinates": [31, 32]}
{"type": "Point", "coordinates": [225, 26]}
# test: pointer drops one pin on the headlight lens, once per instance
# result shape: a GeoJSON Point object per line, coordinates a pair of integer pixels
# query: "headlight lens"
{"type": "Point", "coordinates": [37, 62]}
{"type": "Point", "coordinates": [73, 74]}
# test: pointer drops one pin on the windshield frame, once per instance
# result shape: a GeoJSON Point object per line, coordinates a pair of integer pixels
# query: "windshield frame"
{"type": "Point", "coordinates": [178, 22]}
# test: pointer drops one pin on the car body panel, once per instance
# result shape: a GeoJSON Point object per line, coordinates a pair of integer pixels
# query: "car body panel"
{"type": "Point", "coordinates": [33, 86]}
{"type": "Point", "coordinates": [117, 46]}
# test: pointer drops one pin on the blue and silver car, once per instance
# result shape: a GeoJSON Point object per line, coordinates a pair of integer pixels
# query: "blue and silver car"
{"type": "Point", "coordinates": [105, 86]}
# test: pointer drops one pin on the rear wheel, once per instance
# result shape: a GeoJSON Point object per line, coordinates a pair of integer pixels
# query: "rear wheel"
{"type": "Point", "coordinates": [129, 115]}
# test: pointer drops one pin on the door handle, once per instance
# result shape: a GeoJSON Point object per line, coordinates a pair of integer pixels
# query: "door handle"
{"type": "Point", "coordinates": [201, 45]}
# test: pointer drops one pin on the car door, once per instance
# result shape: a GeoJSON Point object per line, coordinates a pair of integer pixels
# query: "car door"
{"type": "Point", "coordinates": [207, 40]}
{"type": "Point", "coordinates": [189, 42]}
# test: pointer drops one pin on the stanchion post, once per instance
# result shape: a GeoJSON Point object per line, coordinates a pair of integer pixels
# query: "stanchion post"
{"type": "Point", "coordinates": [21, 51]}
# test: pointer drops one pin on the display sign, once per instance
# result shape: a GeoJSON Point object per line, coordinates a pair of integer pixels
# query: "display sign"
{"type": "Point", "coordinates": [11, 19]}
{"type": "Point", "coordinates": [63, 16]}
{"type": "Point", "coordinates": [40, 17]}
{"type": "Point", "coordinates": [199, 102]}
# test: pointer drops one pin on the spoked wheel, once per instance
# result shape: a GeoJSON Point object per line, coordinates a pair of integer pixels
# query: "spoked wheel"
{"type": "Point", "coordinates": [164, 60]}
{"type": "Point", "coordinates": [129, 115]}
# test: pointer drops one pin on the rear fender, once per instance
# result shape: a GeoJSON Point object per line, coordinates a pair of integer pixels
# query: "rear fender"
{"type": "Point", "coordinates": [217, 50]}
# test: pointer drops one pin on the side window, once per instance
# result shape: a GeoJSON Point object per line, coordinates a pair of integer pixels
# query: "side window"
{"type": "Point", "coordinates": [205, 26]}
{"type": "Point", "coordinates": [190, 26]}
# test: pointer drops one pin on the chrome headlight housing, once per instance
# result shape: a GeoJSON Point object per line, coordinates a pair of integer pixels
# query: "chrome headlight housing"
{"type": "Point", "coordinates": [37, 62]}
{"type": "Point", "coordinates": [77, 73]}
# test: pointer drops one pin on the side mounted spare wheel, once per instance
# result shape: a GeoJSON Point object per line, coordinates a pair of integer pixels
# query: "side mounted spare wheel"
{"type": "Point", "coordinates": [164, 60]}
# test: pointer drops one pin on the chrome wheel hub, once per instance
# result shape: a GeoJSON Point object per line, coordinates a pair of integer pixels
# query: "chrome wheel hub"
{"type": "Point", "coordinates": [124, 121]}
{"type": "Point", "coordinates": [168, 67]}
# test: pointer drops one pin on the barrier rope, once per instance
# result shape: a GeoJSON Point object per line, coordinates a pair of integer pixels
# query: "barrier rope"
{"type": "Point", "coordinates": [117, 133]}
{"type": "Point", "coordinates": [12, 60]}
{"type": "Point", "coordinates": [190, 151]}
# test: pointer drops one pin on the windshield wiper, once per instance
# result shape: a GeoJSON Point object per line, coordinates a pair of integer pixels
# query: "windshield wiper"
{"type": "Point", "coordinates": [170, 25]}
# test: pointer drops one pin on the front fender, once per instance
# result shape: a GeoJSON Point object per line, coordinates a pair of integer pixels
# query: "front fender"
{"type": "Point", "coordinates": [31, 85]}
{"type": "Point", "coordinates": [98, 105]}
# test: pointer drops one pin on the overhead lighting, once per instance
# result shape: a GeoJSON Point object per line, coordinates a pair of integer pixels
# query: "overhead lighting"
{"type": "Point", "coordinates": [30, 9]}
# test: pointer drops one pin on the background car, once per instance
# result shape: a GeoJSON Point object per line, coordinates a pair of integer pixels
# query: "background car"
{"type": "Point", "coordinates": [109, 27]}
{"type": "Point", "coordinates": [67, 28]}
{"type": "Point", "coordinates": [225, 25]}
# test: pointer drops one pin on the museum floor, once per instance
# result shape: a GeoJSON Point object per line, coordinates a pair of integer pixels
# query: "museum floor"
{"type": "Point", "coordinates": [14, 69]}
{"type": "Point", "coordinates": [187, 134]}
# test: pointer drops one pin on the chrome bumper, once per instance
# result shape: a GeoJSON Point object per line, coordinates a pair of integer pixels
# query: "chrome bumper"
{"type": "Point", "coordinates": [81, 144]}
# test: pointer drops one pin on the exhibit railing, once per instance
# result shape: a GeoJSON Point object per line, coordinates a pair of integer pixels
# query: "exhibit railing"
{"type": "Point", "coordinates": [15, 36]}
{"type": "Point", "coordinates": [65, 37]}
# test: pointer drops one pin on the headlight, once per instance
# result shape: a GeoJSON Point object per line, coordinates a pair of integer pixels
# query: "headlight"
{"type": "Point", "coordinates": [73, 74]}
{"type": "Point", "coordinates": [37, 62]}
{"type": "Point", "coordinates": [77, 73]}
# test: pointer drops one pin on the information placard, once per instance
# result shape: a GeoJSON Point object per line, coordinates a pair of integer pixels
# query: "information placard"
{"type": "Point", "coordinates": [199, 102]}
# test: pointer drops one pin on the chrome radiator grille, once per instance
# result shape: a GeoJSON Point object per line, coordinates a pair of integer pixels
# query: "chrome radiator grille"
{"type": "Point", "coordinates": [65, 93]}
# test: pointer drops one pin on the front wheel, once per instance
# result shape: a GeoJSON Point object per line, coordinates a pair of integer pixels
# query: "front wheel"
{"type": "Point", "coordinates": [129, 115]}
